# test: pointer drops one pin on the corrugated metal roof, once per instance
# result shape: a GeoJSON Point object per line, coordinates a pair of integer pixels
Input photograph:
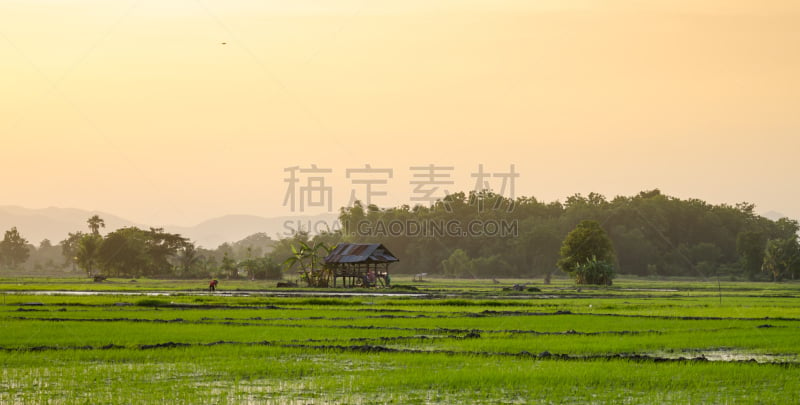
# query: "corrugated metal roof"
{"type": "Point", "coordinates": [360, 253]}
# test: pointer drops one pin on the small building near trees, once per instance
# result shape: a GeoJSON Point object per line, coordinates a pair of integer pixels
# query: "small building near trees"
{"type": "Point", "coordinates": [360, 264]}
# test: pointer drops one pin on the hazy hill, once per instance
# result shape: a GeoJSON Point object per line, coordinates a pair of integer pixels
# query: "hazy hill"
{"type": "Point", "coordinates": [55, 223]}
{"type": "Point", "coordinates": [232, 228]}
{"type": "Point", "coordinates": [773, 215]}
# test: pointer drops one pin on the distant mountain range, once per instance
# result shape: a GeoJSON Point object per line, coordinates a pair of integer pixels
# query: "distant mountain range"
{"type": "Point", "coordinates": [55, 223]}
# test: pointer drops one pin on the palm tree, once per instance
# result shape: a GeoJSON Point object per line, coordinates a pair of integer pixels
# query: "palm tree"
{"type": "Point", "coordinates": [95, 223]}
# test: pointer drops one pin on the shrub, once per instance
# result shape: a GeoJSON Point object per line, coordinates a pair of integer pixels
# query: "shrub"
{"type": "Point", "coordinates": [594, 271]}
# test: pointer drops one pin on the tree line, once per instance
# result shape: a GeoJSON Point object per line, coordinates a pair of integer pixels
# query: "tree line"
{"type": "Point", "coordinates": [652, 234]}
{"type": "Point", "coordinates": [476, 235]}
{"type": "Point", "coordinates": [132, 252]}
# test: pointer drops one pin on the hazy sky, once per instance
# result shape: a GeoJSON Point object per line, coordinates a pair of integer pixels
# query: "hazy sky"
{"type": "Point", "coordinates": [172, 112]}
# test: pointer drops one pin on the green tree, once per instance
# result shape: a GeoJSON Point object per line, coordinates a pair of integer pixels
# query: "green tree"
{"type": "Point", "coordinates": [209, 266]}
{"type": "Point", "coordinates": [751, 246]}
{"type": "Point", "coordinates": [255, 245]}
{"type": "Point", "coordinates": [45, 258]}
{"type": "Point", "coordinates": [123, 253]}
{"type": "Point", "coordinates": [786, 228]}
{"type": "Point", "coordinates": [69, 248]}
{"type": "Point", "coordinates": [704, 257]}
{"type": "Point", "coordinates": [189, 260]}
{"type": "Point", "coordinates": [134, 252]}
{"type": "Point", "coordinates": [587, 243]}
{"type": "Point", "coordinates": [536, 249]}
{"type": "Point", "coordinates": [161, 247]}
{"type": "Point", "coordinates": [781, 258]}
{"type": "Point", "coordinates": [635, 252]}
{"type": "Point", "coordinates": [228, 267]}
{"type": "Point", "coordinates": [261, 268]}
{"type": "Point", "coordinates": [14, 249]}
{"type": "Point", "coordinates": [492, 266]}
{"type": "Point", "coordinates": [87, 252]}
{"type": "Point", "coordinates": [458, 265]}
{"type": "Point", "coordinates": [95, 223]}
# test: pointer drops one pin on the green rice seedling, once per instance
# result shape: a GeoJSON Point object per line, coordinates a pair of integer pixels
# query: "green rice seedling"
{"type": "Point", "coordinates": [463, 343]}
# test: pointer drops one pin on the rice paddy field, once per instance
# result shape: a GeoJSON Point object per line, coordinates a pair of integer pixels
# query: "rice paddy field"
{"type": "Point", "coordinates": [68, 341]}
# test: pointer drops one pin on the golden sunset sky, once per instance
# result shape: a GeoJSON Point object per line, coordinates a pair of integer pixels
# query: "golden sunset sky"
{"type": "Point", "coordinates": [176, 111]}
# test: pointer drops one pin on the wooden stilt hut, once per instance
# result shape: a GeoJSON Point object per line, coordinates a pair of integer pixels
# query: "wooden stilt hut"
{"type": "Point", "coordinates": [360, 264]}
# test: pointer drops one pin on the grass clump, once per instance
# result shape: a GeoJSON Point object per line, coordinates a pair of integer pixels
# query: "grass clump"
{"type": "Point", "coordinates": [151, 302]}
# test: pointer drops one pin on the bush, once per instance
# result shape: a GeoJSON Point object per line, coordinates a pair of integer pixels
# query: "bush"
{"type": "Point", "coordinates": [594, 271]}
